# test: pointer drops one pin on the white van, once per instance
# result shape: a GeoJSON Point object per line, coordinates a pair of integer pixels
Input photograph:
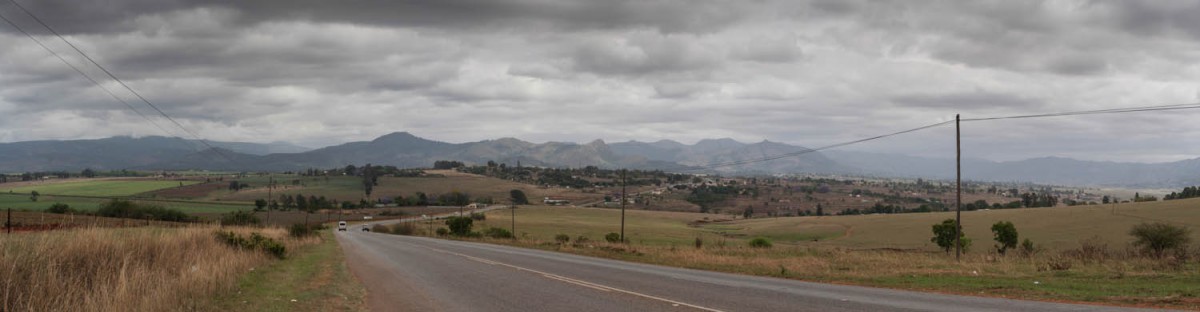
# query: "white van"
{"type": "Point", "coordinates": [342, 226]}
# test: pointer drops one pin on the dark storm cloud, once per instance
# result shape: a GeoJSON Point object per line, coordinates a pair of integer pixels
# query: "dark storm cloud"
{"type": "Point", "coordinates": [320, 72]}
{"type": "Point", "coordinates": [72, 16]}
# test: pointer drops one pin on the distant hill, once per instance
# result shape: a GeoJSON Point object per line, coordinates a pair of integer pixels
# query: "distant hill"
{"type": "Point", "coordinates": [727, 151]}
{"type": "Point", "coordinates": [116, 153]}
{"type": "Point", "coordinates": [405, 150]}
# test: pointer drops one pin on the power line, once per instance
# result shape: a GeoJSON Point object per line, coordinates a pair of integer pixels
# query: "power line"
{"type": "Point", "coordinates": [119, 81]}
{"type": "Point", "coordinates": [1096, 112]}
{"type": "Point", "coordinates": [85, 75]}
{"type": "Point", "coordinates": [1059, 114]}
{"type": "Point", "coordinates": [811, 150]}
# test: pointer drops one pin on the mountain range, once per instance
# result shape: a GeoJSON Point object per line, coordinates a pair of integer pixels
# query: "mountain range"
{"type": "Point", "coordinates": [405, 150]}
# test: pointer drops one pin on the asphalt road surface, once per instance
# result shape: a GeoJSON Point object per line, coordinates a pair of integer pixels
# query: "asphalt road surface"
{"type": "Point", "coordinates": [405, 273]}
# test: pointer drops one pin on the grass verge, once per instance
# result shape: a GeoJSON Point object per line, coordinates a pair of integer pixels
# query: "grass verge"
{"type": "Point", "coordinates": [125, 269]}
{"type": "Point", "coordinates": [1120, 279]}
{"type": "Point", "coordinates": [313, 278]}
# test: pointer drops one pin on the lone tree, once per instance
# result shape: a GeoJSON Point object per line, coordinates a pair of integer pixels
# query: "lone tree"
{"type": "Point", "coordinates": [943, 235]}
{"type": "Point", "coordinates": [1156, 238]}
{"type": "Point", "coordinates": [1005, 234]}
{"type": "Point", "coordinates": [259, 204]}
{"type": "Point", "coordinates": [518, 197]}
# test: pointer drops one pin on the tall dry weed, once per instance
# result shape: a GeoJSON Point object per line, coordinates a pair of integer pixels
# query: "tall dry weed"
{"type": "Point", "coordinates": [122, 269]}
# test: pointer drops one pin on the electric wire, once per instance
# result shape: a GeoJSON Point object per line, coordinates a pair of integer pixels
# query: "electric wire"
{"type": "Point", "coordinates": [119, 81]}
{"type": "Point", "coordinates": [807, 150]}
{"type": "Point", "coordinates": [85, 75]}
{"type": "Point", "coordinates": [1095, 112]}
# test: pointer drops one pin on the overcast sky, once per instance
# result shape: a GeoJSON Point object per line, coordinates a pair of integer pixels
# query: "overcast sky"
{"type": "Point", "coordinates": [811, 73]}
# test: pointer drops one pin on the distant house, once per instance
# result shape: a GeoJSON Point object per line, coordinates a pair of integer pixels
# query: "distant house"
{"type": "Point", "coordinates": [555, 201]}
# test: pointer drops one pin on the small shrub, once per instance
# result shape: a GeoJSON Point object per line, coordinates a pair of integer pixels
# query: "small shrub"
{"type": "Point", "coordinates": [562, 238]}
{"type": "Point", "coordinates": [760, 242]}
{"type": "Point", "coordinates": [275, 249]}
{"type": "Point", "coordinates": [118, 208]}
{"type": "Point", "coordinates": [478, 216]}
{"type": "Point", "coordinates": [612, 238]}
{"type": "Point", "coordinates": [388, 213]}
{"type": "Point", "coordinates": [1056, 263]}
{"type": "Point", "coordinates": [1156, 238]}
{"type": "Point", "coordinates": [1090, 250]}
{"type": "Point", "coordinates": [1005, 234]}
{"type": "Point", "coordinates": [404, 228]}
{"type": "Point", "coordinates": [1027, 249]}
{"type": "Point", "coordinates": [495, 232]}
{"type": "Point", "coordinates": [459, 226]}
{"type": "Point", "coordinates": [240, 218]}
{"type": "Point", "coordinates": [299, 230]}
{"type": "Point", "coordinates": [582, 240]}
{"type": "Point", "coordinates": [60, 208]}
{"type": "Point", "coordinates": [943, 235]}
{"type": "Point", "coordinates": [255, 241]}
{"type": "Point", "coordinates": [443, 232]}
{"type": "Point", "coordinates": [699, 243]}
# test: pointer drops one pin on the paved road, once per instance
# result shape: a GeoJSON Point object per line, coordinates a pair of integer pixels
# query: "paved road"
{"type": "Point", "coordinates": [405, 273]}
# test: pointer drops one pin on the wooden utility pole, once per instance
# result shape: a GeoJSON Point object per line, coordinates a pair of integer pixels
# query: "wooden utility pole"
{"type": "Point", "coordinates": [270, 199]}
{"type": "Point", "coordinates": [623, 181]}
{"type": "Point", "coordinates": [513, 207]}
{"type": "Point", "coordinates": [958, 204]}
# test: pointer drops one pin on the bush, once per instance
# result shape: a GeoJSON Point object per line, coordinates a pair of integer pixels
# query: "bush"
{"type": "Point", "coordinates": [1005, 234]}
{"type": "Point", "coordinates": [443, 232]}
{"type": "Point", "coordinates": [478, 216]}
{"type": "Point", "coordinates": [562, 238]}
{"type": "Point", "coordinates": [760, 242]}
{"type": "Point", "coordinates": [301, 230]}
{"type": "Point", "coordinates": [255, 241]}
{"type": "Point", "coordinates": [60, 208]}
{"type": "Point", "coordinates": [126, 209]}
{"type": "Point", "coordinates": [459, 226]}
{"type": "Point", "coordinates": [699, 242]}
{"type": "Point", "coordinates": [404, 228]}
{"type": "Point", "coordinates": [240, 218]}
{"type": "Point", "coordinates": [582, 240]}
{"type": "Point", "coordinates": [612, 237]}
{"type": "Point", "coordinates": [1156, 238]}
{"type": "Point", "coordinates": [497, 233]}
{"type": "Point", "coordinates": [388, 213]}
{"type": "Point", "coordinates": [943, 235]}
{"type": "Point", "coordinates": [1027, 248]}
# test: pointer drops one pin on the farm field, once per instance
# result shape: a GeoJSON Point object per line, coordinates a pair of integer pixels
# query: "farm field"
{"type": "Point", "coordinates": [350, 188]}
{"type": "Point", "coordinates": [22, 202]}
{"type": "Point", "coordinates": [97, 187]}
{"type": "Point", "coordinates": [1053, 228]}
{"type": "Point", "coordinates": [641, 227]}
{"type": "Point", "coordinates": [893, 250]}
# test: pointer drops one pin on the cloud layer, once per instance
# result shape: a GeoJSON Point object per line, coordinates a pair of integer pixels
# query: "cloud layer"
{"type": "Point", "coordinates": [803, 72]}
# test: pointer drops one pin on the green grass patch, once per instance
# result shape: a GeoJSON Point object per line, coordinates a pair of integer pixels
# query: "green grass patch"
{"type": "Point", "coordinates": [98, 188]}
{"type": "Point", "coordinates": [314, 278]}
{"type": "Point", "coordinates": [21, 201]}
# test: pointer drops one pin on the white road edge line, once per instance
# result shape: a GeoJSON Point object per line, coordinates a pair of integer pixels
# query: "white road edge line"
{"type": "Point", "coordinates": [575, 281]}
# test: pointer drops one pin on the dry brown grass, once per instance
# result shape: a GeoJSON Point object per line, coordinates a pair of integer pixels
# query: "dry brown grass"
{"type": "Point", "coordinates": [124, 269]}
